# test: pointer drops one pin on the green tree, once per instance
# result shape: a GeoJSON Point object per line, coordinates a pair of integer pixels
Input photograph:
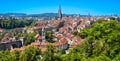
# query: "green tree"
{"type": "Point", "coordinates": [29, 37]}
{"type": "Point", "coordinates": [74, 54]}
{"type": "Point", "coordinates": [48, 36]}
{"type": "Point", "coordinates": [15, 55]}
{"type": "Point", "coordinates": [6, 56]}
{"type": "Point", "coordinates": [101, 39]}
{"type": "Point", "coordinates": [50, 54]}
{"type": "Point", "coordinates": [31, 53]}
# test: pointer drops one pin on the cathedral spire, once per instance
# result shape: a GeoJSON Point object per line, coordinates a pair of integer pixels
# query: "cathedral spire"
{"type": "Point", "coordinates": [89, 16]}
{"type": "Point", "coordinates": [59, 13]}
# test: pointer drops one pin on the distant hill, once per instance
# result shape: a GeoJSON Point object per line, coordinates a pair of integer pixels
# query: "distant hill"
{"type": "Point", "coordinates": [13, 14]}
{"type": "Point", "coordinates": [48, 15]}
{"type": "Point", "coordinates": [37, 15]}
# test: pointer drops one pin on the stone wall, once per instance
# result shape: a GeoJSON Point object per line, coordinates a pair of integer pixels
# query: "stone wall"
{"type": "Point", "coordinates": [9, 45]}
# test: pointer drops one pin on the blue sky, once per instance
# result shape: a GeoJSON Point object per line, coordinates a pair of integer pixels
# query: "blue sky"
{"type": "Point", "coordinates": [95, 7]}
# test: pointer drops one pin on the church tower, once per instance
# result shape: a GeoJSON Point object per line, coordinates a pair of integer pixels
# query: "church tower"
{"type": "Point", "coordinates": [59, 13]}
{"type": "Point", "coordinates": [43, 33]}
{"type": "Point", "coordinates": [89, 16]}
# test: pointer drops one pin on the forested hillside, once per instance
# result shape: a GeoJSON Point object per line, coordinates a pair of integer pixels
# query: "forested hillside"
{"type": "Point", "coordinates": [14, 23]}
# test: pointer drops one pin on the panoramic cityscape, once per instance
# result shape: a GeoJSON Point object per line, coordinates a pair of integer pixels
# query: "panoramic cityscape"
{"type": "Point", "coordinates": [59, 30]}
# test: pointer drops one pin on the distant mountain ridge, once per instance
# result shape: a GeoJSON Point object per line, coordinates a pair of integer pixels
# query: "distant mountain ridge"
{"type": "Point", "coordinates": [13, 14]}
{"type": "Point", "coordinates": [37, 15]}
{"type": "Point", "coordinates": [49, 15]}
